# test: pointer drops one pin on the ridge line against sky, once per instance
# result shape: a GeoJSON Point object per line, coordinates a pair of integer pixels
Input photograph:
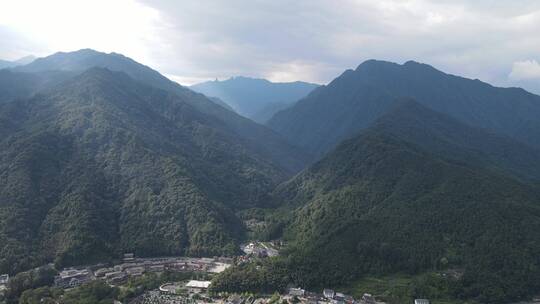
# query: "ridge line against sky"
{"type": "Point", "coordinates": [307, 40]}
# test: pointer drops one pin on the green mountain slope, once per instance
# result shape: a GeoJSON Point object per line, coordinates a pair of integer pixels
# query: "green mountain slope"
{"type": "Point", "coordinates": [358, 97]}
{"type": "Point", "coordinates": [102, 165]}
{"type": "Point", "coordinates": [258, 137]}
{"type": "Point", "coordinates": [17, 85]}
{"type": "Point", "coordinates": [447, 137]}
{"type": "Point", "coordinates": [382, 203]}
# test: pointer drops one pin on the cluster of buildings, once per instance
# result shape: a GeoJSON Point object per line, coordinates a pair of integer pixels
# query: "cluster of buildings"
{"type": "Point", "coordinates": [71, 277]}
{"type": "Point", "coordinates": [133, 267]}
{"type": "Point", "coordinates": [260, 249]}
{"type": "Point", "coordinates": [329, 296]}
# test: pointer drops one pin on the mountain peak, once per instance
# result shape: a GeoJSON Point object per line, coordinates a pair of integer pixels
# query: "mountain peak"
{"type": "Point", "coordinates": [370, 63]}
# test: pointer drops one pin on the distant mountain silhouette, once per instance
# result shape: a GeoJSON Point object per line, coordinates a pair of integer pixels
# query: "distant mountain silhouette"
{"type": "Point", "coordinates": [352, 101]}
{"type": "Point", "coordinates": [257, 99]}
{"type": "Point", "coordinates": [21, 61]}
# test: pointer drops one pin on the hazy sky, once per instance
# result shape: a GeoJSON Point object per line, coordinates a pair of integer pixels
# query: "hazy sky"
{"type": "Point", "coordinates": [313, 40]}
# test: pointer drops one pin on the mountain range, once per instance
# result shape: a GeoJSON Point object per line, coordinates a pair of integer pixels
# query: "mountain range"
{"type": "Point", "coordinates": [358, 97]}
{"type": "Point", "coordinates": [387, 169]}
{"type": "Point", "coordinates": [409, 194]}
{"type": "Point", "coordinates": [256, 99]}
{"type": "Point", "coordinates": [102, 163]}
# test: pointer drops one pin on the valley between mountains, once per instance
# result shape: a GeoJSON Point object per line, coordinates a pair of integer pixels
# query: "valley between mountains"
{"type": "Point", "coordinates": [389, 169]}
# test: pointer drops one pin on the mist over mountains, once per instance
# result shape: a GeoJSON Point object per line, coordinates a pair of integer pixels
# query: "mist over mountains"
{"type": "Point", "coordinates": [404, 168]}
{"type": "Point", "coordinates": [21, 61]}
{"type": "Point", "coordinates": [256, 99]}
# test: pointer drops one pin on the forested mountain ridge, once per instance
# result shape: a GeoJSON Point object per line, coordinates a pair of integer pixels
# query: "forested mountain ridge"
{"type": "Point", "coordinates": [390, 206]}
{"type": "Point", "coordinates": [257, 99]}
{"type": "Point", "coordinates": [412, 193]}
{"type": "Point", "coordinates": [46, 72]}
{"type": "Point", "coordinates": [358, 97]}
{"type": "Point", "coordinates": [447, 137]}
{"type": "Point", "coordinates": [102, 164]}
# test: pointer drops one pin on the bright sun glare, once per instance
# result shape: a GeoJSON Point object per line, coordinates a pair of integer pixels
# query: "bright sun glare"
{"type": "Point", "coordinates": [68, 25]}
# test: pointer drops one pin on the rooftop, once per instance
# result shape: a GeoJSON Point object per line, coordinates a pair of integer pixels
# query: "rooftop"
{"type": "Point", "coordinates": [198, 284]}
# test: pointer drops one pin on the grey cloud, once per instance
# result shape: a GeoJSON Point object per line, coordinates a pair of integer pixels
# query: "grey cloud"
{"type": "Point", "coordinates": [479, 39]}
{"type": "Point", "coordinates": [315, 40]}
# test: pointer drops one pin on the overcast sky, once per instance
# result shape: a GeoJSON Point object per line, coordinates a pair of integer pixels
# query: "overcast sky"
{"type": "Point", "coordinates": [497, 41]}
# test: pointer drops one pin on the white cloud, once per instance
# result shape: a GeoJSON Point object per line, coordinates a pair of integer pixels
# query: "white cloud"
{"type": "Point", "coordinates": [311, 40]}
{"type": "Point", "coordinates": [123, 26]}
{"type": "Point", "coordinates": [524, 70]}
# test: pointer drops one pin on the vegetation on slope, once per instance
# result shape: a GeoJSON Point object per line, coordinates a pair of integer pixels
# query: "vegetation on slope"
{"type": "Point", "coordinates": [103, 165]}
{"type": "Point", "coordinates": [379, 205]}
{"type": "Point", "coordinates": [355, 99]}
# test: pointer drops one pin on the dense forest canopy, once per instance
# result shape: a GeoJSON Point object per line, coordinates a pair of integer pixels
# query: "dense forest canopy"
{"type": "Point", "coordinates": [417, 172]}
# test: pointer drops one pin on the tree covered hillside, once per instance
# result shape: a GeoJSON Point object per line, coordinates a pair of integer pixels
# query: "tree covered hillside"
{"type": "Point", "coordinates": [103, 165]}
{"type": "Point", "coordinates": [355, 99]}
{"type": "Point", "coordinates": [47, 72]}
{"type": "Point", "coordinates": [387, 201]}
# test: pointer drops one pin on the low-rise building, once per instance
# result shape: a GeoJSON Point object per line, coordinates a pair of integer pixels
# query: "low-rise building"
{"type": "Point", "coordinates": [235, 299]}
{"type": "Point", "coordinates": [116, 277]}
{"type": "Point", "coordinates": [368, 299]}
{"type": "Point", "coordinates": [3, 289]}
{"type": "Point", "coordinates": [298, 292]}
{"type": "Point", "coordinates": [129, 257]}
{"type": "Point", "coordinates": [328, 293]}
{"type": "Point", "coordinates": [70, 277]}
{"type": "Point", "coordinates": [195, 286]}
{"type": "Point", "coordinates": [102, 271]}
{"type": "Point", "coordinates": [421, 301]}
{"type": "Point", "coordinates": [134, 271]}
{"type": "Point", "coordinates": [156, 268]}
{"type": "Point", "coordinates": [4, 279]}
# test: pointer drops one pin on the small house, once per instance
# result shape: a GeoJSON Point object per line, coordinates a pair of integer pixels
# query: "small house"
{"type": "Point", "coordinates": [4, 279]}
{"type": "Point", "coordinates": [368, 298]}
{"type": "Point", "coordinates": [328, 293]}
{"type": "Point", "coordinates": [297, 292]}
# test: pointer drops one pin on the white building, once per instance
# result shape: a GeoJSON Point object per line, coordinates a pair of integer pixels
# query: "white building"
{"type": "Point", "coordinates": [298, 292]}
{"type": "Point", "coordinates": [421, 301]}
{"type": "Point", "coordinates": [328, 293]}
{"type": "Point", "coordinates": [4, 279]}
{"type": "Point", "coordinates": [195, 286]}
